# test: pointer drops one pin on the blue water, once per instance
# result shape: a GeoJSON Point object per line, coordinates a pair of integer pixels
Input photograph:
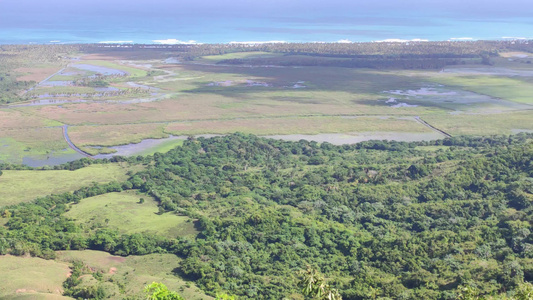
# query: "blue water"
{"type": "Point", "coordinates": [223, 21]}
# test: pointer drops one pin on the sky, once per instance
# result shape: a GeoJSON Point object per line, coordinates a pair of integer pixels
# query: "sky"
{"type": "Point", "coordinates": [223, 21]}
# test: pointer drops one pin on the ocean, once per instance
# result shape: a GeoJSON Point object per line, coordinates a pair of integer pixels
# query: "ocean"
{"type": "Point", "coordinates": [207, 21]}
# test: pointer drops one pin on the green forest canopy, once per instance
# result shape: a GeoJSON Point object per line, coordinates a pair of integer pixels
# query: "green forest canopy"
{"type": "Point", "coordinates": [378, 219]}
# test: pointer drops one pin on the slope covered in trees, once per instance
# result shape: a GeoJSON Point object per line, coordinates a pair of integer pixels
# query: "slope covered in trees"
{"type": "Point", "coordinates": [378, 219]}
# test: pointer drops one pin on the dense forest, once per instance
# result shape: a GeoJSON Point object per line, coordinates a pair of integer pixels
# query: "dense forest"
{"type": "Point", "coordinates": [444, 49]}
{"type": "Point", "coordinates": [381, 55]}
{"type": "Point", "coordinates": [420, 220]}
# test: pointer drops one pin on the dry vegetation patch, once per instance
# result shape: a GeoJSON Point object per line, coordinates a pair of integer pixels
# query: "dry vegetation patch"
{"type": "Point", "coordinates": [111, 135]}
{"type": "Point", "coordinates": [12, 119]}
{"type": "Point", "coordinates": [36, 74]}
{"type": "Point", "coordinates": [292, 125]}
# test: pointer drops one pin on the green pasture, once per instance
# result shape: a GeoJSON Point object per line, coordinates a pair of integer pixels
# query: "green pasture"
{"type": "Point", "coordinates": [31, 278]}
{"type": "Point", "coordinates": [124, 212]}
{"type": "Point", "coordinates": [163, 147]}
{"type": "Point", "coordinates": [12, 150]}
{"type": "Point", "coordinates": [508, 88]}
{"type": "Point", "coordinates": [479, 124]}
{"type": "Point", "coordinates": [35, 296]}
{"type": "Point", "coordinates": [34, 143]}
{"type": "Point", "coordinates": [17, 186]}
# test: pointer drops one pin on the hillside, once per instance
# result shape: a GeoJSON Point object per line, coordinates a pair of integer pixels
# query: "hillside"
{"type": "Point", "coordinates": [412, 220]}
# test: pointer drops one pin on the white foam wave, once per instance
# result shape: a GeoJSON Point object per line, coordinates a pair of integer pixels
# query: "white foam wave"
{"type": "Point", "coordinates": [176, 42]}
{"type": "Point", "coordinates": [462, 39]}
{"type": "Point", "coordinates": [258, 42]}
{"type": "Point", "coordinates": [401, 41]}
{"type": "Point", "coordinates": [115, 42]}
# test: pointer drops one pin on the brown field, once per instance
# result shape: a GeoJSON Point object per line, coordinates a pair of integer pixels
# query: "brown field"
{"type": "Point", "coordinates": [14, 119]}
{"type": "Point", "coordinates": [219, 107]}
{"type": "Point", "coordinates": [36, 74]}
{"type": "Point", "coordinates": [110, 135]}
{"type": "Point", "coordinates": [307, 125]}
{"type": "Point", "coordinates": [36, 136]}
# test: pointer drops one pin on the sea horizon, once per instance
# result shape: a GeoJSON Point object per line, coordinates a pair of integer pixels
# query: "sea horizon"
{"type": "Point", "coordinates": [255, 42]}
{"type": "Point", "coordinates": [223, 21]}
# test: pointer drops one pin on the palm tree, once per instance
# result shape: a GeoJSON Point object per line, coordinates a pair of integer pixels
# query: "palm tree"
{"type": "Point", "coordinates": [315, 286]}
{"type": "Point", "coordinates": [159, 291]}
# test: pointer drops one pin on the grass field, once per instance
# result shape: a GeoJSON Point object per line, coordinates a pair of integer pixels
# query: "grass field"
{"type": "Point", "coordinates": [24, 134]}
{"type": "Point", "coordinates": [32, 278]}
{"type": "Point", "coordinates": [32, 143]}
{"type": "Point", "coordinates": [133, 273]}
{"type": "Point", "coordinates": [505, 123]}
{"type": "Point", "coordinates": [163, 147]}
{"type": "Point", "coordinates": [23, 186]}
{"type": "Point", "coordinates": [123, 212]}
{"type": "Point", "coordinates": [35, 296]}
{"type": "Point", "coordinates": [513, 89]}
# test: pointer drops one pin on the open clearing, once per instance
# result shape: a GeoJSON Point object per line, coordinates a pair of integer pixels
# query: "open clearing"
{"type": "Point", "coordinates": [124, 212]}
{"type": "Point", "coordinates": [17, 186]}
{"type": "Point", "coordinates": [484, 124]}
{"type": "Point", "coordinates": [32, 278]}
{"type": "Point", "coordinates": [135, 272]}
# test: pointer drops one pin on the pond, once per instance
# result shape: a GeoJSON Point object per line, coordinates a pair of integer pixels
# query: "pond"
{"type": "Point", "coordinates": [52, 159]}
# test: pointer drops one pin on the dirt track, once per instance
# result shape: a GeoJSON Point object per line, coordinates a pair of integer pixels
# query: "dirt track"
{"type": "Point", "coordinates": [419, 120]}
{"type": "Point", "coordinates": [71, 145]}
